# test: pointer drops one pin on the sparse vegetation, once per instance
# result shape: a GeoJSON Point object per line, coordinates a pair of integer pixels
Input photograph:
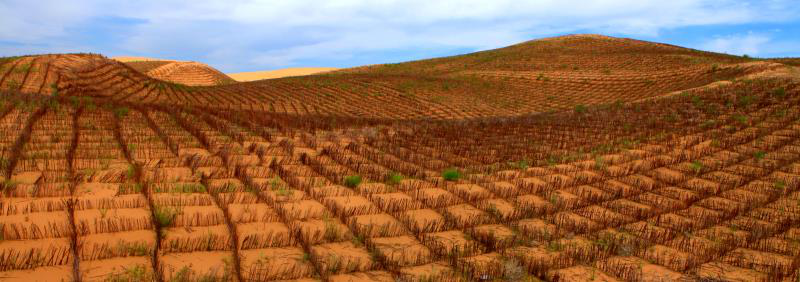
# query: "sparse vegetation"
{"type": "Point", "coordinates": [136, 273]}
{"type": "Point", "coordinates": [164, 216]}
{"type": "Point", "coordinates": [580, 109]}
{"type": "Point", "coordinates": [451, 174]}
{"type": "Point", "coordinates": [394, 178]}
{"type": "Point", "coordinates": [352, 181]}
{"type": "Point", "coordinates": [461, 168]}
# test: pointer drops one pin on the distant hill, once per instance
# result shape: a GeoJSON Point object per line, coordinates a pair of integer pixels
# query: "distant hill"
{"type": "Point", "coordinates": [272, 74]}
{"type": "Point", "coordinates": [183, 72]}
{"type": "Point", "coordinates": [551, 74]}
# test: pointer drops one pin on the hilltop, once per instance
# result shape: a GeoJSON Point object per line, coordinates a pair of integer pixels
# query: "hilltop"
{"type": "Point", "coordinates": [181, 72]}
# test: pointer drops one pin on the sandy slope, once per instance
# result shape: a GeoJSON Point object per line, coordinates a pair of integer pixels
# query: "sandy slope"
{"type": "Point", "coordinates": [258, 75]}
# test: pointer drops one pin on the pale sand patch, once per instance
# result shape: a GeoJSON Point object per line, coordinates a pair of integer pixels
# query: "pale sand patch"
{"type": "Point", "coordinates": [259, 75]}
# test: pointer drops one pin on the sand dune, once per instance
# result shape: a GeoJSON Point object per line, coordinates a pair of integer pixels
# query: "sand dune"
{"type": "Point", "coordinates": [259, 75]}
{"type": "Point", "coordinates": [126, 59]}
{"type": "Point", "coordinates": [241, 76]}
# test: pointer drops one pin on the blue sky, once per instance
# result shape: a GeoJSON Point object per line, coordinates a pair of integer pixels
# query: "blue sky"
{"type": "Point", "coordinates": [254, 35]}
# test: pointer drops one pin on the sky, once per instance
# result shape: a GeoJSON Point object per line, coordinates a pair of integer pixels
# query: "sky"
{"type": "Point", "coordinates": [251, 35]}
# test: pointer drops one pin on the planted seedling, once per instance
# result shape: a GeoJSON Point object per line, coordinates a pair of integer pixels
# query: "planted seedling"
{"type": "Point", "coordinates": [759, 155]}
{"type": "Point", "coordinates": [451, 174]}
{"type": "Point", "coordinates": [580, 108]}
{"type": "Point", "coordinates": [394, 178]}
{"type": "Point", "coordinates": [352, 181]}
{"type": "Point", "coordinates": [696, 166]}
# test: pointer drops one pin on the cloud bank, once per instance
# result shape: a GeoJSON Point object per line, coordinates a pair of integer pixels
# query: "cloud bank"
{"type": "Point", "coordinates": [254, 35]}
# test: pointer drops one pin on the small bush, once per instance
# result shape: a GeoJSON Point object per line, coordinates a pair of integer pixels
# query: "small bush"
{"type": "Point", "coordinates": [131, 172]}
{"type": "Point", "coordinates": [742, 119]}
{"type": "Point", "coordinates": [394, 178]}
{"type": "Point", "coordinates": [708, 124]}
{"type": "Point", "coordinates": [554, 246]}
{"type": "Point", "coordinates": [696, 166]}
{"type": "Point", "coordinates": [760, 155]}
{"type": "Point", "coordinates": [190, 188]}
{"type": "Point", "coordinates": [599, 163]}
{"type": "Point", "coordinates": [746, 101]}
{"type": "Point", "coordinates": [165, 215]}
{"type": "Point", "coordinates": [9, 185]}
{"type": "Point", "coordinates": [134, 273]}
{"type": "Point", "coordinates": [54, 89]}
{"type": "Point", "coordinates": [121, 112]}
{"type": "Point", "coordinates": [352, 181]}
{"type": "Point", "coordinates": [697, 102]}
{"type": "Point", "coordinates": [523, 165]}
{"type": "Point", "coordinates": [581, 108]}
{"type": "Point", "coordinates": [451, 174]}
{"type": "Point", "coordinates": [779, 92]}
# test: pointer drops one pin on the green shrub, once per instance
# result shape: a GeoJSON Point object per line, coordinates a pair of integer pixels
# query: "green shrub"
{"type": "Point", "coordinates": [165, 215]}
{"type": "Point", "coordinates": [708, 124]}
{"type": "Point", "coordinates": [759, 155]}
{"type": "Point", "coordinates": [599, 163]}
{"type": "Point", "coordinates": [742, 119]}
{"type": "Point", "coordinates": [131, 172]}
{"type": "Point", "coordinates": [121, 112]}
{"type": "Point", "coordinates": [779, 92]}
{"type": "Point", "coordinates": [451, 174]}
{"type": "Point", "coordinates": [696, 101]}
{"type": "Point", "coordinates": [130, 274]}
{"type": "Point", "coordinates": [352, 181]}
{"type": "Point", "coordinates": [190, 188]}
{"type": "Point", "coordinates": [394, 178]}
{"type": "Point", "coordinates": [696, 166]}
{"type": "Point", "coordinates": [9, 185]}
{"type": "Point", "coordinates": [581, 108]}
{"type": "Point", "coordinates": [552, 160]}
{"type": "Point", "coordinates": [523, 165]}
{"type": "Point", "coordinates": [746, 101]}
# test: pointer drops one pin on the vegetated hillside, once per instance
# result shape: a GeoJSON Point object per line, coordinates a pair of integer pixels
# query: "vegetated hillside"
{"type": "Point", "coordinates": [788, 61]}
{"type": "Point", "coordinates": [700, 185]}
{"type": "Point", "coordinates": [587, 53]}
{"type": "Point", "coordinates": [522, 79]}
{"type": "Point", "coordinates": [92, 189]}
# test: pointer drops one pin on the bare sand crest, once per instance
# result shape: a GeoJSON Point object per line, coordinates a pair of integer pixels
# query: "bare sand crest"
{"type": "Point", "coordinates": [270, 74]}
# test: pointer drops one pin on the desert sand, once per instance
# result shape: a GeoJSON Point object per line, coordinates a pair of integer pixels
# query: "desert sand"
{"type": "Point", "coordinates": [271, 74]}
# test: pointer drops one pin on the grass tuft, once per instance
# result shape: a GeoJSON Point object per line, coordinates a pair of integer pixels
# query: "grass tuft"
{"type": "Point", "coordinates": [165, 215]}
{"type": "Point", "coordinates": [579, 109]}
{"type": "Point", "coordinates": [451, 174]}
{"type": "Point", "coordinates": [394, 178]}
{"type": "Point", "coordinates": [352, 181]}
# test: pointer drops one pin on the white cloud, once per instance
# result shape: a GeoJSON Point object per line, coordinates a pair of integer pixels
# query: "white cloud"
{"type": "Point", "coordinates": [750, 44]}
{"type": "Point", "coordinates": [259, 34]}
